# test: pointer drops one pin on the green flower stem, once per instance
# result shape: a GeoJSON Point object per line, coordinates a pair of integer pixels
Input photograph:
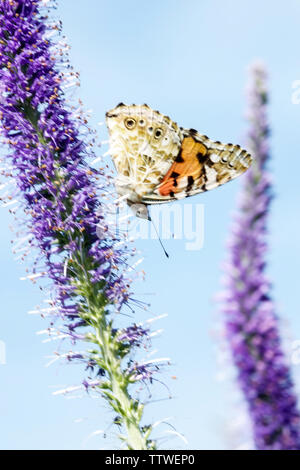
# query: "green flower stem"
{"type": "Point", "coordinates": [118, 395]}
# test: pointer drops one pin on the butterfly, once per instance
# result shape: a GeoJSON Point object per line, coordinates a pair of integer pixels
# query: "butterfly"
{"type": "Point", "coordinates": [157, 161]}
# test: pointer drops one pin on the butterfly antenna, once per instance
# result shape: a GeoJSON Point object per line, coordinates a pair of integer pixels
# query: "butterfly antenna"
{"type": "Point", "coordinates": [159, 239]}
{"type": "Point", "coordinates": [117, 221]}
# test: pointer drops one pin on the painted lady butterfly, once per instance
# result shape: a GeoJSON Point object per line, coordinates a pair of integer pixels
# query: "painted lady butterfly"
{"type": "Point", "coordinates": [157, 161]}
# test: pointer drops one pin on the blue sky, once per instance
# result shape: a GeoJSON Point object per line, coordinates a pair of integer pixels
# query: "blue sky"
{"type": "Point", "coordinates": [188, 59]}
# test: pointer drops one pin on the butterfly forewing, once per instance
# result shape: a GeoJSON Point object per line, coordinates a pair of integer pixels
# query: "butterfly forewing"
{"type": "Point", "coordinates": [143, 145]}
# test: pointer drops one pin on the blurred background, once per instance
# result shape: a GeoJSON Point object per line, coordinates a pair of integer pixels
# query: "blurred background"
{"type": "Point", "coordinates": [188, 59]}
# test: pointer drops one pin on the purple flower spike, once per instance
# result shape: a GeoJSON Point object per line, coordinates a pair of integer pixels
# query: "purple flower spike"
{"type": "Point", "coordinates": [48, 148]}
{"type": "Point", "coordinates": [251, 322]}
{"type": "Point", "coordinates": [133, 334]}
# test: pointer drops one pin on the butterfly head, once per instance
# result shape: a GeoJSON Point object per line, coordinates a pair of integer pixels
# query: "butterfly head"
{"type": "Point", "coordinates": [140, 210]}
{"type": "Point", "coordinates": [143, 144]}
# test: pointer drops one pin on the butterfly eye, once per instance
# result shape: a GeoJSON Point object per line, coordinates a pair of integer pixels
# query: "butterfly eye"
{"type": "Point", "coordinates": [158, 133]}
{"type": "Point", "coordinates": [130, 123]}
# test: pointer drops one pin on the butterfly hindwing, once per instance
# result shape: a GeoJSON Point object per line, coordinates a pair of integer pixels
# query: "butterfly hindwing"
{"type": "Point", "coordinates": [201, 165]}
{"type": "Point", "coordinates": [187, 168]}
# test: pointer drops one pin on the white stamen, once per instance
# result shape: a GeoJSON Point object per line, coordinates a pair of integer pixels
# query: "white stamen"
{"type": "Point", "coordinates": [120, 243]}
{"type": "Point", "coordinates": [96, 160]}
{"type": "Point", "coordinates": [126, 217]}
{"type": "Point", "coordinates": [151, 353]}
{"type": "Point", "coordinates": [69, 85]}
{"type": "Point", "coordinates": [56, 358]}
{"type": "Point", "coordinates": [48, 340]}
{"type": "Point", "coordinates": [95, 433]}
{"type": "Point", "coordinates": [176, 433]}
{"type": "Point", "coordinates": [21, 241]}
{"type": "Point", "coordinates": [6, 204]}
{"type": "Point", "coordinates": [164, 420]}
{"type": "Point", "coordinates": [6, 168]}
{"type": "Point", "coordinates": [155, 361]}
{"type": "Point", "coordinates": [131, 268]}
{"type": "Point", "coordinates": [151, 320]}
{"type": "Point", "coordinates": [156, 333]}
{"type": "Point", "coordinates": [49, 34]}
{"type": "Point", "coordinates": [68, 390]}
{"type": "Point", "coordinates": [121, 198]}
{"type": "Point", "coordinates": [65, 267]}
{"type": "Point", "coordinates": [47, 331]}
{"type": "Point", "coordinates": [20, 250]}
{"type": "Point", "coordinates": [42, 310]}
{"type": "Point", "coordinates": [32, 276]}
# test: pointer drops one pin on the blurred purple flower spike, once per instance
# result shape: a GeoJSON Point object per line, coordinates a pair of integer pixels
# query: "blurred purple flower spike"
{"type": "Point", "coordinates": [251, 322]}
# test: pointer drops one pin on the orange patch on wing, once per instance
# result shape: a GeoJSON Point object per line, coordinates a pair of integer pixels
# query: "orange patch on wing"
{"type": "Point", "coordinates": [187, 164]}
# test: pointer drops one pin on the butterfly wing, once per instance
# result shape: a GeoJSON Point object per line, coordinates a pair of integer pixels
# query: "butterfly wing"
{"type": "Point", "coordinates": [157, 161]}
{"type": "Point", "coordinates": [201, 165]}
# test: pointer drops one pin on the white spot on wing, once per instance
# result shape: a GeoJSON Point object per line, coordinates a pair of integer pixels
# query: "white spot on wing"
{"type": "Point", "coordinates": [211, 175]}
{"type": "Point", "coordinates": [214, 157]}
